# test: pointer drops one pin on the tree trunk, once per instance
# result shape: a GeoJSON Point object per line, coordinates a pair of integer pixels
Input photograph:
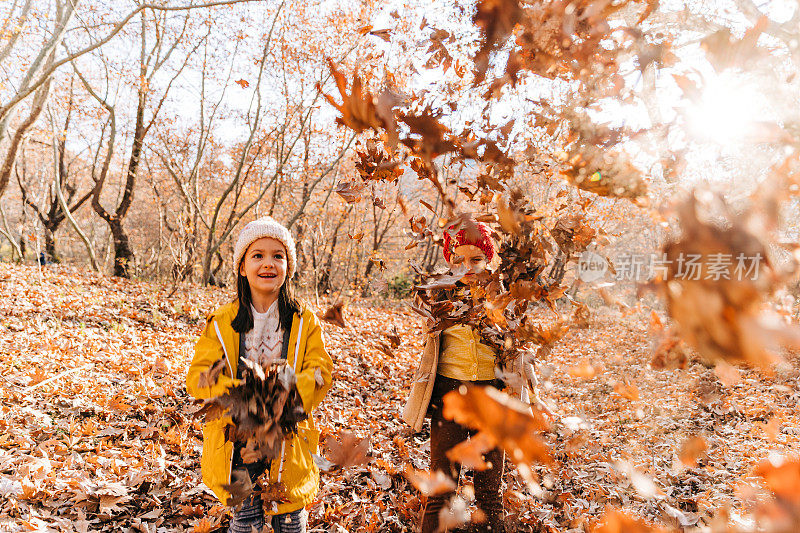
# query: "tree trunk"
{"type": "Point", "coordinates": [50, 245]}
{"type": "Point", "coordinates": [123, 255]}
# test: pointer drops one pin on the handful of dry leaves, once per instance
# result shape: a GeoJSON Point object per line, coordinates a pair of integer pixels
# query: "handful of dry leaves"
{"type": "Point", "coordinates": [265, 408]}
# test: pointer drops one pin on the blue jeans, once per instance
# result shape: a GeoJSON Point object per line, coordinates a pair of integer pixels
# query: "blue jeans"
{"type": "Point", "coordinates": [251, 513]}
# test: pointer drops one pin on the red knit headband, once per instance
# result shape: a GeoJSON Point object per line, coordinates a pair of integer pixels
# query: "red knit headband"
{"type": "Point", "coordinates": [484, 242]}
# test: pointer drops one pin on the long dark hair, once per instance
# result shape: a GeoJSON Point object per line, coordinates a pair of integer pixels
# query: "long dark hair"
{"type": "Point", "coordinates": [288, 305]}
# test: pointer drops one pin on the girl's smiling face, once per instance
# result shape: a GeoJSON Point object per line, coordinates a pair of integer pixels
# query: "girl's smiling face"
{"type": "Point", "coordinates": [264, 265]}
{"type": "Point", "coordinates": [473, 258]}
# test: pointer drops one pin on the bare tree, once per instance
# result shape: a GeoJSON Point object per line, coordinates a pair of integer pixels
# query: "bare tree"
{"type": "Point", "coordinates": [152, 58]}
{"type": "Point", "coordinates": [39, 74]}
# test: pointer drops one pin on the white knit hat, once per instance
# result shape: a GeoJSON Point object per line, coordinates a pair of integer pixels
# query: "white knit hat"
{"type": "Point", "coordinates": [266, 227]}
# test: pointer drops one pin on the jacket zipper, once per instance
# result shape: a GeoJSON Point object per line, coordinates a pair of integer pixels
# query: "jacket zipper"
{"type": "Point", "coordinates": [283, 443]}
{"type": "Point", "coordinates": [230, 369]}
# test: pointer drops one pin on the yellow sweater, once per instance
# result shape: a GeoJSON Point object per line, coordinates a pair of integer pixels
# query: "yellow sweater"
{"type": "Point", "coordinates": [464, 356]}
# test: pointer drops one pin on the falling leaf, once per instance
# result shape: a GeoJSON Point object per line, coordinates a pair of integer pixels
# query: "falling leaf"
{"type": "Point", "coordinates": [691, 449]}
{"type": "Point", "coordinates": [430, 484]}
{"type": "Point", "coordinates": [496, 20]}
{"type": "Point", "coordinates": [274, 492]}
{"type": "Point", "coordinates": [383, 34]}
{"type": "Point", "coordinates": [723, 318]}
{"type": "Point", "coordinates": [348, 450]}
{"type": "Point", "coordinates": [394, 337]}
{"type": "Point", "coordinates": [469, 453]}
{"type": "Point", "coordinates": [454, 514]}
{"type": "Point", "coordinates": [618, 521]}
{"type": "Point", "coordinates": [335, 315]}
{"type": "Point", "coordinates": [513, 424]}
{"type": "Point", "coordinates": [351, 191]}
{"type": "Point", "coordinates": [782, 477]}
{"type": "Point", "coordinates": [240, 487]}
{"type": "Point", "coordinates": [627, 390]}
{"type": "Point", "coordinates": [264, 408]}
{"type": "Point", "coordinates": [209, 377]}
{"type": "Point", "coordinates": [323, 464]}
{"type": "Point", "coordinates": [358, 108]}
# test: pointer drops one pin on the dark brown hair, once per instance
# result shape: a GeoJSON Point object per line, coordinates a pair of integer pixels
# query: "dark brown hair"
{"type": "Point", "coordinates": [288, 305]}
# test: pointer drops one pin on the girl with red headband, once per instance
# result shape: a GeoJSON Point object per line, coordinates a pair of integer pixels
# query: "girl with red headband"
{"type": "Point", "coordinates": [455, 356]}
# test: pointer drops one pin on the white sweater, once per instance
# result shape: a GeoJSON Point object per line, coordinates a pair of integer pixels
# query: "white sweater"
{"type": "Point", "coordinates": [264, 341]}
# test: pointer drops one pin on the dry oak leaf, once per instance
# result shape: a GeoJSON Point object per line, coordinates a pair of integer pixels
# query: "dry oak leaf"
{"type": "Point", "coordinates": [204, 525]}
{"type": "Point", "coordinates": [691, 449]}
{"type": "Point", "coordinates": [351, 451]}
{"type": "Point", "coordinates": [240, 487]}
{"type": "Point", "coordinates": [209, 377]}
{"type": "Point", "coordinates": [618, 521]}
{"type": "Point", "coordinates": [351, 191]}
{"type": "Point", "coordinates": [496, 20]}
{"type": "Point", "coordinates": [513, 424]}
{"type": "Point", "coordinates": [394, 338]}
{"type": "Point", "coordinates": [723, 319]}
{"type": "Point", "coordinates": [469, 453]}
{"type": "Point", "coordinates": [627, 390]}
{"type": "Point", "coordinates": [359, 110]}
{"type": "Point", "coordinates": [454, 514]}
{"type": "Point", "coordinates": [430, 484]}
{"type": "Point", "coordinates": [335, 315]}
{"type": "Point", "coordinates": [274, 492]}
{"type": "Point", "coordinates": [782, 477]}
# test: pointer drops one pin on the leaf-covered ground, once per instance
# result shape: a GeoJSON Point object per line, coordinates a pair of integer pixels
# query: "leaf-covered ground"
{"type": "Point", "coordinates": [97, 432]}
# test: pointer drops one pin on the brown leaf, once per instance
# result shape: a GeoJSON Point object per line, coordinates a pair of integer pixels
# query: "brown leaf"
{"type": "Point", "coordinates": [209, 377]}
{"type": "Point", "coordinates": [394, 338]}
{"type": "Point", "coordinates": [274, 492]}
{"type": "Point", "coordinates": [618, 521]}
{"type": "Point", "coordinates": [513, 424]}
{"type": "Point", "coordinates": [351, 451]}
{"type": "Point", "coordinates": [358, 109]}
{"type": "Point", "coordinates": [722, 317]}
{"type": "Point", "coordinates": [430, 484]}
{"type": "Point", "coordinates": [627, 390]}
{"type": "Point", "coordinates": [383, 34]}
{"type": "Point", "coordinates": [335, 315]}
{"type": "Point", "coordinates": [240, 487]}
{"type": "Point", "coordinates": [351, 191]}
{"type": "Point", "coordinates": [496, 20]}
{"type": "Point", "coordinates": [782, 477]}
{"type": "Point", "coordinates": [469, 453]}
{"type": "Point", "coordinates": [691, 449]}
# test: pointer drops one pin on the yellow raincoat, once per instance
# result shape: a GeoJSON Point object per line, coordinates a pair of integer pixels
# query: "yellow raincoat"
{"type": "Point", "coordinates": [306, 353]}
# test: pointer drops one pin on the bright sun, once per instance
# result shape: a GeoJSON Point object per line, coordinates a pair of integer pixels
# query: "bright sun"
{"type": "Point", "coordinates": [726, 110]}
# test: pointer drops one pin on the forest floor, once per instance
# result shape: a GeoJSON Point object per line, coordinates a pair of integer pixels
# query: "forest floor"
{"type": "Point", "coordinates": [97, 431]}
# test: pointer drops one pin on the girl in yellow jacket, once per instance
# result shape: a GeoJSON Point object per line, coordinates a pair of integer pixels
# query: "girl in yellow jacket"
{"type": "Point", "coordinates": [265, 324]}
